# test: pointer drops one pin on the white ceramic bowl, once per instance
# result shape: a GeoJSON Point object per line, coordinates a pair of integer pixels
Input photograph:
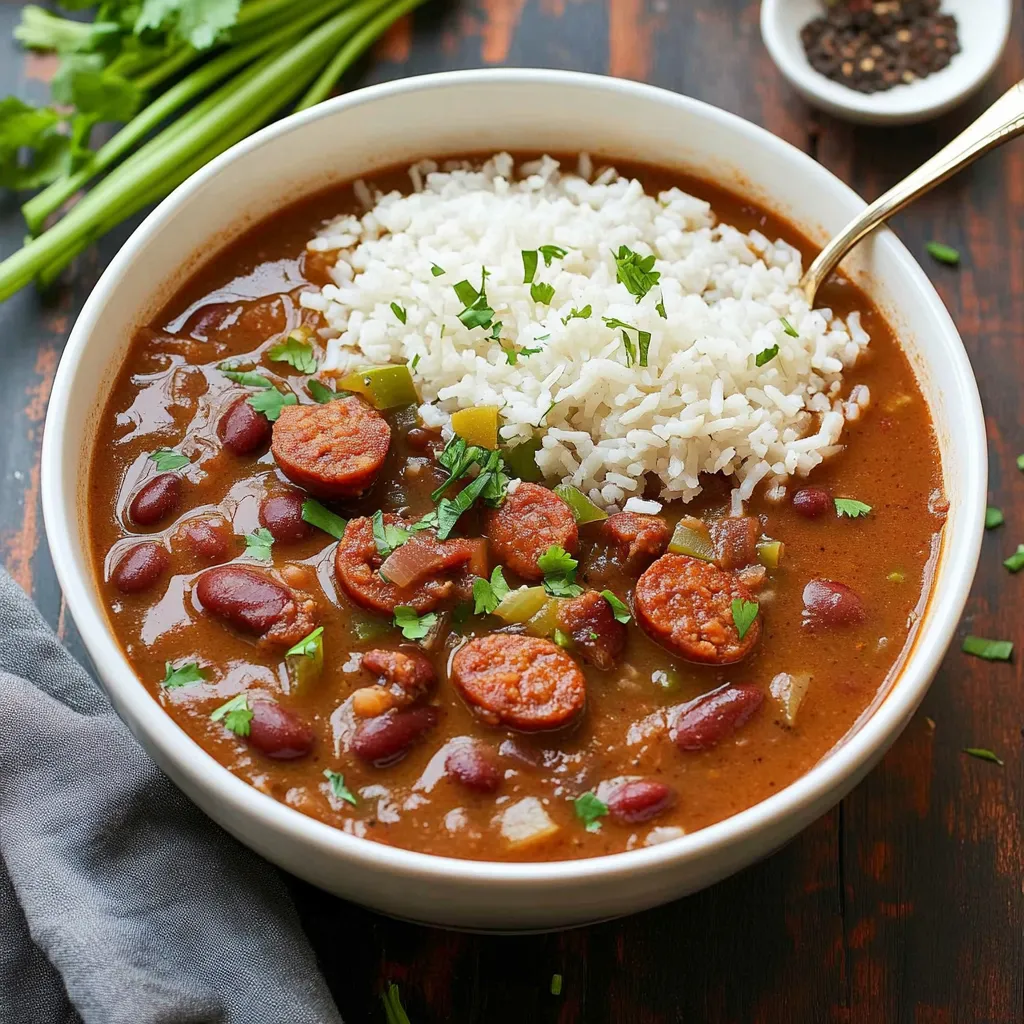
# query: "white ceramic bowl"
{"type": "Point", "coordinates": [455, 113]}
{"type": "Point", "coordinates": [984, 28]}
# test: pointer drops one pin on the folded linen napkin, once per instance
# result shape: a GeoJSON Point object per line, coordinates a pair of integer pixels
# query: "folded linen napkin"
{"type": "Point", "coordinates": [120, 902]}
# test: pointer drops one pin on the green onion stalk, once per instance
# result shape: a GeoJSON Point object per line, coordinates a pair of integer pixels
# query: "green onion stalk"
{"type": "Point", "coordinates": [299, 61]}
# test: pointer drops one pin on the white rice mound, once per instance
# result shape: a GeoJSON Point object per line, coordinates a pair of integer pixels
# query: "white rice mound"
{"type": "Point", "coordinates": [700, 405]}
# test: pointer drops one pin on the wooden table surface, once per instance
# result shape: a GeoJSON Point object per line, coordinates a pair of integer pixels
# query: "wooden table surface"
{"type": "Point", "coordinates": [905, 903]}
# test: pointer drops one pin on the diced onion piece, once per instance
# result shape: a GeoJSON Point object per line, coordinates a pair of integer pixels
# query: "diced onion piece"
{"type": "Point", "coordinates": [643, 506]}
{"type": "Point", "coordinates": [770, 552]}
{"type": "Point", "coordinates": [386, 387]}
{"type": "Point", "coordinates": [582, 507]}
{"type": "Point", "coordinates": [790, 690]}
{"type": "Point", "coordinates": [521, 462]}
{"type": "Point", "coordinates": [477, 426]}
{"type": "Point", "coordinates": [691, 537]}
{"type": "Point", "coordinates": [525, 823]}
{"type": "Point", "coordinates": [414, 560]}
{"type": "Point", "coordinates": [522, 604]}
{"type": "Point", "coordinates": [663, 834]}
{"type": "Point", "coordinates": [545, 621]}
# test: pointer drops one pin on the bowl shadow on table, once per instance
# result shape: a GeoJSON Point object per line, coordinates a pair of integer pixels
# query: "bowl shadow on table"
{"type": "Point", "coordinates": [666, 964]}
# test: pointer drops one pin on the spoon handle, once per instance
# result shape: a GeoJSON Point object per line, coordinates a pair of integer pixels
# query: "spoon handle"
{"type": "Point", "coordinates": [1002, 121]}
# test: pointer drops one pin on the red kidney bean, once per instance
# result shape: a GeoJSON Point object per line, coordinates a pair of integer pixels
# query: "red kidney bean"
{"type": "Point", "coordinates": [640, 800]}
{"type": "Point", "coordinates": [832, 604]}
{"type": "Point", "coordinates": [281, 514]}
{"type": "Point", "coordinates": [471, 765]}
{"type": "Point", "coordinates": [140, 568]}
{"type": "Point", "coordinates": [242, 429]}
{"type": "Point", "coordinates": [706, 721]}
{"type": "Point", "coordinates": [812, 502]}
{"type": "Point", "coordinates": [245, 598]}
{"type": "Point", "coordinates": [210, 539]}
{"type": "Point", "coordinates": [278, 733]}
{"type": "Point", "coordinates": [386, 738]}
{"type": "Point", "coordinates": [156, 500]}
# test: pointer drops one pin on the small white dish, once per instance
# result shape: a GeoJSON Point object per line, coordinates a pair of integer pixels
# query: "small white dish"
{"type": "Point", "coordinates": [984, 27]}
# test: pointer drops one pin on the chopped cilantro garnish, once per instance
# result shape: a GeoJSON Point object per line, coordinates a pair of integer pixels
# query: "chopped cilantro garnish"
{"type": "Point", "coordinates": [258, 543]}
{"type": "Point", "coordinates": [167, 460]}
{"type": "Point", "coordinates": [993, 518]}
{"type": "Point", "coordinates": [990, 650]}
{"type": "Point", "coordinates": [415, 361]}
{"type": "Point", "coordinates": [766, 355]}
{"type": "Point", "coordinates": [488, 595]}
{"type": "Point", "coordinates": [323, 518]}
{"type": "Point", "coordinates": [983, 755]}
{"type": "Point", "coordinates": [296, 351]}
{"type": "Point", "coordinates": [552, 252]}
{"type": "Point", "coordinates": [1016, 561]}
{"type": "Point", "coordinates": [477, 313]}
{"type": "Point", "coordinates": [248, 378]}
{"type": "Point", "coordinates": [743, 615]}
{"type": "Point", "coordinates": [322, 393]}
{"type": "Point", "coordinates": [490, 485]}
{"type": "Point", "coordinates": [339, 790]}
{"type": "Point", "coordinates": [413, 626]}
{"type": "Point", "coordinates": [386, 536]}
{"type": "Point", "coordinates": [589, 809]}
{"type": "Point", "coordinates": [788, 328]}
{"type": "Point", "coordinates": [436, 270]}
{"type": "Point", "coordinates": [529, 265]}
{"type": "Point", "coordinates": [186, 675]}
{"type": "Point", "coordinates": [619, 609]}
{"type": "Point", "coordinates": [577, 314]}
{"type": "Point", "coordinates": [851, 507]}
{"type": "Point", "coordinates": [399, 312]}
{"type": "Point", "coordinates": [636, 272]}
{"type": "Point", "coordinates": [271, 402]}
{"type": "Point", "coordinates": [308, 646]}
{"type": "Point", "coordinates": [542, 293]}
{"type": "Point", "coordinates": [943, 253]}
{"type": "Point", "coordinates": [559, 568]}
{"type": "Point", "coordinates": [660, 307]}
{"type": "Point", "coordinates": [644, 338]}
{"type": "Point", "coordinates": [627, 344]}
{"type": "Point", "coordinates": [235, 714]}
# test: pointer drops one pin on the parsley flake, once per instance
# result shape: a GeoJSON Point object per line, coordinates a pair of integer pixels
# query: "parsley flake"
{"type": "Point", "coordinates": [619, 609]}
{"type": "Point", "coordinates": [636, 272]}
{"type": "Point", "coordinates": [399, 312]}
{"type": "Point", "coordinates": [529, 265]}
{"type": "Point", "coordinates": [386, 536]}
{"type": "Point", "coordinates": [258, 544]}
{"type": "Point", "coordinates": [660, 308]}
{"type": "Point", "coordinates": [766, 355]}
{"type": "Point", "coordinates": [559, 568]}
{"type": "Point", "coordinates": [323, 518]}
{"type": "Point", "coordinates": [993, 518]}
{"type": "Point", "coordinates": [990, 650]}
{"type": "Point", "coordinates": [743, 615]}
{"type": "Point", "coordinates": [983, 755]}
{"type": "Point", "coordinates": [308, 646]}
{"type": "Point", "coordinates": [247, 378]}
{"type": "Point", "coordinates": [788, 328]}
{"type": "Point", "coordinates": [185, 675]}
{"type": "Point", "coordinates": [488, 595]}
{"type": "Point", "coordinates": [322, 394]}
{"type": "Point", "coordinates": [296, 351]}
{"type": "Point", "coordinates": [235, 714]}
{"type": "Point", "coordinates": [542, 293]}
{"type": "Point", "coordinates": [271, 402]}
{"type": "Point", "coordinates": [552, 252]}
{"type": "Point", "coordinates": [436, 270]}
{"type": "Point", "coordinates": [578, 314]}
{"type": "Point", "coordinates": [415, 361]}
{"type": "Point", "coordinates": [943, 253]}
{"type": "Point", "coordinates": [413, 626]}
{"type": "Point", "coordinates": [589, 809]}
{"type": "Point", "coordinates": [476, 313]}
{"type": "Point", "coordinates": [851, 507]}
{"type": "Point", "coordinates": [336, 782]}
{"type": "Point", "coordinates": [167, 460]}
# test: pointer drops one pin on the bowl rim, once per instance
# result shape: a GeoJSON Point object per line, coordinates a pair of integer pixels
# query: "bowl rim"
{"type": "Point", "coordinates": [906, 106]}
{"type": "Point", "coordinates": [868, 739]}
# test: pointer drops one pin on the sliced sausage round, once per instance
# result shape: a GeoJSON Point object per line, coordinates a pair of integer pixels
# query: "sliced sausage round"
{"type": "Point", "coordinates": [276, 732]}
{"type": "Point", "coordinates": [706, 721]}
{"type": "Point", "coordinates": [242, 429]}
{"type": "Point", "coordinates": [522, 682]}
{"type": "Point", "coordinates": [387, 738]}
{"type": "Point", "coordinates": [156, 500]}
{"type": "Point", "coordinates": [591, 623]}
{"type": "Point", "coordinates": [357, 561]}
{"type": "Point", "coordinates": [140, 568]}
{"type": "Point", "coordinates": [333, 450]}
{"type": "Point", "coordinates": [636, 537]}
{"type": "Point", "coordinates": [281, 514]}
{"type": "Point", "coordinates": [253, 602]}
{"type": "Point", "coordinates": [685, 605]}
{"type": "Point", "coordinates": [409, 671]}
{"type": "Point", "coordinates": [529, 521]}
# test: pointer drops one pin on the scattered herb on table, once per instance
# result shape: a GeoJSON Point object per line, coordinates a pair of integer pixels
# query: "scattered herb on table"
{"type": "Point", "coordinates": [393, 1009]}
{"type": "Point", "coordinates": [556, 984]}
{"type": "Point", "coordinates": [184, 675]}
{"type": "Point", "coordinates": [851, 507]}
{"type": "Point", "coordinates": [1016, 561]}
{"type": "Point", "coordinates": [943, 253]}
{"type": "Point", "coordinates": [983, 755]}
{"type": "Point", "coordinates": [743, 615]}
{"type": "Point", "coordinates": [990, 650]}
{"type": "Point", "coordinates": [993, 518]}
{"type": "Point", "coordinates": [589, 809]}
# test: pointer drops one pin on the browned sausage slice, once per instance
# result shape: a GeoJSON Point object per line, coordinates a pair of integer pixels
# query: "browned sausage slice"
{"type": "Point", "coordinates": [522, 682]}
{"type": "Point", "coordinates": [590, 622]}
{"type": "Point", "coordinates": [637, 537]}
{"type": "Point", "coordinates": [356, 565]}
{"type": "Point", "coordinates": [735, 539]}
{"type": "Point", "coordinates": [686, 605]}
{"type": "Point", "coordinates": [333, 450]}
{"type": "Point", "coordinates": [530, 520]}
{"type": "Point", "coordinates": [253, 602]}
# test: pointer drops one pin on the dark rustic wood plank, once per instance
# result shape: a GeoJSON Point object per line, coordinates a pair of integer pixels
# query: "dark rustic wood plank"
{"type": "Point", "coordinates": [903, 905]}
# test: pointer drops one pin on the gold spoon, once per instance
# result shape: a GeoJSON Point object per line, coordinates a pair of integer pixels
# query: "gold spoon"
{"type": "Point", "coordinates": [1003, 121]}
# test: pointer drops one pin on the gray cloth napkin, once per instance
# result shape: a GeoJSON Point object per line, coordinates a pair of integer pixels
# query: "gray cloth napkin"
{"type": "Point", "coordinates": [120, 902]}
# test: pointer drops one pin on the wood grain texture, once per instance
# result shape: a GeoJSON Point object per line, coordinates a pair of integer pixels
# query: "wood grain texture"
{"type": "Point", "coordinates": [903, 905]}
